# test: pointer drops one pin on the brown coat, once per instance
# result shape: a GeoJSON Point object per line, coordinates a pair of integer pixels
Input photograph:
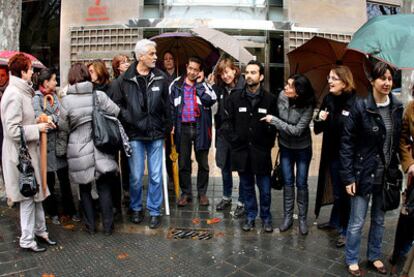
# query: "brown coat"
{"type": "Point", "coordinates": [17, 110]}
{"type": "Point", "coordinates": [407, 132]}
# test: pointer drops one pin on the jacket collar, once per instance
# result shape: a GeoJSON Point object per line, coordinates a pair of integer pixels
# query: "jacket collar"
{"type": "Point", "coordinates": [372, 106]}
{"type": "Point", "coordinates": [131, 73]}
{"type": "Point", "coordinates": [22, 85]}
{"type": "Point", "coordinates": [244, 91]}
{"type": "Point", "coordinates": [80, 88]}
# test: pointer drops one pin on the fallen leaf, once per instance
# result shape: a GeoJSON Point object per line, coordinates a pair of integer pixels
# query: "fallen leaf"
{"type": "Point", "coordinates": [69, 226]}
{"type": "Point", "coordinates": [196, 221]}
{"type": "Point", "coordinates": [122, 256]}
{"type": "Point", "coordinates": [220, 234]}
{"type": "Point", "coordinates": [213, 220]}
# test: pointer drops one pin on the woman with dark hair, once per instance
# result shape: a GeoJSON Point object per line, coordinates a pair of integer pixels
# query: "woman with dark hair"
{"type": "Point", "coordinates": [295, 106]}
{"type": "Point", "coordinates": [17, 115]}
{"type": "Point", "coordinates": [86, 163]}
{"type": "Point", "coordinates": [227, 79]}
{"type": "Point", "coordinates": [169, 66]}
{"type": "Point", "coordinates": [100, 79]}
{"type": "Point", "coordinates": [46, 101]}
{"type": "Point", "coordinates": [99, 75]}
{"type": "Point", "coordinates": [329, 120]}
{"type": "Point", "coordinates": [120, 64]}
{"type": "Point", "coordinates": [368, 152]}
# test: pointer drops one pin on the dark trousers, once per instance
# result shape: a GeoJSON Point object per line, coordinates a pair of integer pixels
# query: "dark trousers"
{"type": "Point", "coordinates": [404, 237]}
{"type": "Point", "coordinates": [116, 192]}
{"type": "Point", "coordinates": [103, 185]}
{"type": "Point", "coordinates": [341, 206]}
{"type": "Point", "coordinates": [51, 203]}
{"type": "Point", "coordinates": [248, 181]}
{"type": "Point", "coordinates": [188, 137]}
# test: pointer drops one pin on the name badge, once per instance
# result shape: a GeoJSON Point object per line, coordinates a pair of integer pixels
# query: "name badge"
{"type": "Point", "coordinates": [345, 113]}
{"type": "Point", "coordinates": [242, 110]}
{"type": "Point", "coordinates": [177, 101]}
{"type": "Point", "coordinates": [221, 96]}
{"type": "Point", "coordinates": [155, 89]}
{"type": "Point", "coordinates": [261, 110]}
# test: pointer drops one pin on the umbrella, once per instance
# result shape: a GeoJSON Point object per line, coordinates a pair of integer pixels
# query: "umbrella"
{"type": "Point", "coordinates": [227, 43]}
{"type": "Point", "coordinates": [174, 159]}
{"type": "Point", "coordinates": [6, 55]}
{"type": "Point", "coordinates": [317, 56]}
{"type": "Point", "coordinates": [185, 45]}
{"type": "Point", "coordinates": [388, 38]}
{"type": "Point", "coordinates": [43, 118]}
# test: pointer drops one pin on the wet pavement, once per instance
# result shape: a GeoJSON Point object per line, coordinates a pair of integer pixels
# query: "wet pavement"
{"type": "Point", "coordinates": [136, 250]}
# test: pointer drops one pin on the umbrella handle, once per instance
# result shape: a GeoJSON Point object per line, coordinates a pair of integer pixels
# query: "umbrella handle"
{"type": "Point", "coordinates": [172, 139]}
{"type": "Point", "coordinates": [48, 97]}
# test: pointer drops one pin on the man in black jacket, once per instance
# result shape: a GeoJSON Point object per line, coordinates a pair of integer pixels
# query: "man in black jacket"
{"type": "Point", "coordinates": [251, 142]}
{"type": "Point", "coordinates": [142, 94]}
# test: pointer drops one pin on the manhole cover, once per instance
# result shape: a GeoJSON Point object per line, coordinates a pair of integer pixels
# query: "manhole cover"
{"type": "Point", "coordinates": [188, 233]}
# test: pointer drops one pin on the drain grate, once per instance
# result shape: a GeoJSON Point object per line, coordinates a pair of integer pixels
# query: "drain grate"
{"type": "Point", "coordinates": [187, 233]}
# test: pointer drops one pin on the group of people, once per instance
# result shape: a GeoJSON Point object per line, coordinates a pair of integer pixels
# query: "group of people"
{"type": "Point", "coordinates": [363, 139]}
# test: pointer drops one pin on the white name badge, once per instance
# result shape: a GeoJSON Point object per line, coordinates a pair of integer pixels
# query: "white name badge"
{"type": "Point", "coordinates": [242, 109]}
{"type": "Point", "coordinates": [261, 110]}
{"type": "Point", "coordinates": [221, 96]}
{"type": "Point", "coordinates": [177, 101]}
{"type": "Point", "coordinates": [345, 113]}
{"type": "Point", "coordinates": [155, 89]}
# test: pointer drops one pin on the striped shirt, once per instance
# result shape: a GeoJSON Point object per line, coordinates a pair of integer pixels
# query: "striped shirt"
{"type": "Point", "coordinates": [190, 108]}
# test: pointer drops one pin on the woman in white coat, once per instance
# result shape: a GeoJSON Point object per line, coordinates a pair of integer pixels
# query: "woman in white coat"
{"type": "Point", "coordinates": [17, 110]}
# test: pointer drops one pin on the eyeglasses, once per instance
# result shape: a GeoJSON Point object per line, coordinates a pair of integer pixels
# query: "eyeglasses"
{"type": "Point", "coordinates": [333, 78]}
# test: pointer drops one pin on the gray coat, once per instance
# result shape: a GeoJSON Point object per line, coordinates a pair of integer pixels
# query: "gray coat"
{"type": "Point", "coordinates": [86, 162]}
{"type": "Point", "coordinates": [57, 138]}
{"type": "Point", "coordinates": [292, 124]}
{"type": "Point", "coordinates": [17, 110]}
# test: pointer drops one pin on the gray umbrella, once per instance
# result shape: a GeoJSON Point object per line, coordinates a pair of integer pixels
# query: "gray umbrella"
{"type": "Point", "coordinates": [228, 44]}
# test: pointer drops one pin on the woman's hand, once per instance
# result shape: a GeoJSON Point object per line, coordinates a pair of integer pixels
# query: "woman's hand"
{"type": "Point", "coordinates": [44, 127]}
{"type": "Point", "coordinates": [210, 79]}
{"type": "Point", "coordinates": [351, 189]}
{"type": "Point", "coordinates": [268, 118]}
{"type": "Point", "coordinates": [323, 115]}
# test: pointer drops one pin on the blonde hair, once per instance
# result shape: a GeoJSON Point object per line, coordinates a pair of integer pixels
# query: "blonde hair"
{"type": "Point", "coordinates": [345, 74]}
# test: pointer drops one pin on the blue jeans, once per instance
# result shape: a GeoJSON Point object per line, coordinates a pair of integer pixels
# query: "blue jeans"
{"type": "Point", "coordinates": [359, 208]}
{"type": "Point", "coordinates": [247, 181]}
{"type": "Point", "coordinates": [153, 149]}
{"type": "Point", "coordinates": [299, 157]}
{"type": "Point", "coordinates": [340, 210]}
{"type": "Point", "coordinates": [227, 176]}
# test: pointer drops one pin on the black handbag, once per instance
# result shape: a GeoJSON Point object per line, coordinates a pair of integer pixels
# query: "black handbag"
{"type": "Point", "coordinates": [106, 134]}
{"type": "Point", "coordinates": [276, 180]}
{"type": "Point", "coordinates": [27, 179]}
{"type": "Point", "coordinates": [391, 191]}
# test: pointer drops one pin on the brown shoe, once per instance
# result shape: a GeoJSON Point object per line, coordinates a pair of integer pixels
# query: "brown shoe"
{"type": "Point", "coordinates": [380, 269]}
{"type": "Point", "coordinates": [183, 201]}
{"type": "Point", "coordinates": [203, 200]}
{"type": "Point", "coordinates": [354, 272]}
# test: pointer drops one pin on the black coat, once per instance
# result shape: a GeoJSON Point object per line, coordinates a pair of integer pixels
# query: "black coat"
{"type": "Point", "coordinates": [362, 143]}
{"type": "Point", "coordinates": [251, 139]}
{"type": "Point", "coordinates": [338, 108]}
{"type": "Point", "coordinates": [142, 121]}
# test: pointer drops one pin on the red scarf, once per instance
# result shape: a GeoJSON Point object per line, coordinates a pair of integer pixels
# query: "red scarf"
{"type": "Point", "coordinates": [45, 92]}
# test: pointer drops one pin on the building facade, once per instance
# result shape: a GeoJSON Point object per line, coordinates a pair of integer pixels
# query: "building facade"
{"type": "Point", "coordinates": [267, 28]}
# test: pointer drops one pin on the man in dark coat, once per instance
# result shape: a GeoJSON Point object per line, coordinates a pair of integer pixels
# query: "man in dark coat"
{"type": "Point", "coordinates": [251, 142]}
{"type": "Point", "coordinates": [191, 100]}
{"type": "Point", "coordinates": [142, 94]}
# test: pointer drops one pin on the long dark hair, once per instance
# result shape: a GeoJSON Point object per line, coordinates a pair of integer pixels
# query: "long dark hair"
{"type": "Point", "coordinates": [304, 90]}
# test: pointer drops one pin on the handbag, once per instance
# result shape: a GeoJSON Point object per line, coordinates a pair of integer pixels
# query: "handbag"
{"type": "Point", "coordinates": [276, 180]}
{"type": "Point", "coordinates": [106, 134]}
{"type": "Point", "coordinates": [27, 180]}
{"type": "Point", "coordinates": [391, 191]}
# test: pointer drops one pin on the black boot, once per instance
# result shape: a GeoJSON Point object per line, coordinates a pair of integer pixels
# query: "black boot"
{"type": "Point", "coordinates": [288, 204]}
{"type": "Point", "coordinates": [303, 201]}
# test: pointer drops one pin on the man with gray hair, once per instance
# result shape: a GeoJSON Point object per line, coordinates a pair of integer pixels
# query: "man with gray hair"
{"type": "Point", "coordinates": [142, 94]}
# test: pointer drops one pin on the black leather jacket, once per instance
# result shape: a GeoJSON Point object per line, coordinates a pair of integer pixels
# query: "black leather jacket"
{"type": "Point", "coordinates": [143, 121]}
{"type": "Point", "coordinates": [362, 143]}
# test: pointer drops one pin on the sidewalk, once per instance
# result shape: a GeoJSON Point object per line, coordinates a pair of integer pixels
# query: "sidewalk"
{"type": "Point", "coordinates": [136, 250]}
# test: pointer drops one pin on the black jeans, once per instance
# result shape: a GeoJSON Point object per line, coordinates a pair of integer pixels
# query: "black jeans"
{"type": "Point", "coordinates": [51, 203]}
{"type": "Point", "coordinates": [103, 185]}
{"type": "Point", "coordinates": [188, 137]}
